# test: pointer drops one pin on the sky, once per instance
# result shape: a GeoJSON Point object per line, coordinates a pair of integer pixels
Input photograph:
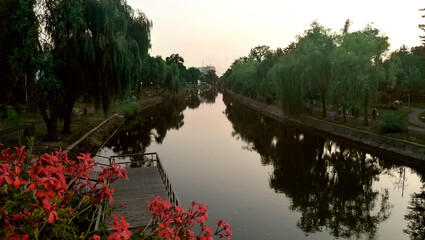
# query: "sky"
{"type": "Point", "coordinates": [217, 32]}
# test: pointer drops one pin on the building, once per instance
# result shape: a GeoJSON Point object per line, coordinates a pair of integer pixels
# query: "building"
{"type": "Point", "coordinates": [207, 68]}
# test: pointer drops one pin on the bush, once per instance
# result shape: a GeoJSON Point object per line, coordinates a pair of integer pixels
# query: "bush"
{"type": "Point", "coordinates": [392, 122]}
{"type": "Point", "coordinates": [131, 108]}
{"type": "Point", "coordinates": [49, 196]}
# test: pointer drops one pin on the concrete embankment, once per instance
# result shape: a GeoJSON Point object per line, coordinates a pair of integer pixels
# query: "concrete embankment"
{"type": "Point", "coordinates": [93, 140]}
{"type": "Point", "coordinates": [412, 153]}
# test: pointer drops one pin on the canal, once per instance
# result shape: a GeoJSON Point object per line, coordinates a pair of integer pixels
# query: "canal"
{"type": "Point", "coordinates": [272, 181]}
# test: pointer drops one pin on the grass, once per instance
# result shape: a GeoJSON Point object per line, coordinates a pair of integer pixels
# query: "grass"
{"type": "Point", "coordinates": [373, 125]}
{"type": "Point", "coordinates": [80, 126]}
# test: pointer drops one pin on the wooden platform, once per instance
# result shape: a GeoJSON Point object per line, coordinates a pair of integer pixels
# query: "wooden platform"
{"type": "Point", "coordinates": [144, 181]}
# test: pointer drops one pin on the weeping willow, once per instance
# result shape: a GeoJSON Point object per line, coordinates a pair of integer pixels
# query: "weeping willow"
{"type": "Point", "coordinates": [99, 48]}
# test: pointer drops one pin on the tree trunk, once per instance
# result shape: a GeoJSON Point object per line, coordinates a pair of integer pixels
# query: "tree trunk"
{"type": "Point", "coordinates": [323, 107]}
{"type": "Point", "coordinates": [51, 123]}
{"type": "Point", "coordinates": [344, 115]}
{"type": "Point", "coordinates": [67, 115]}
{"type": "Point", "coordinates": [366, 103]}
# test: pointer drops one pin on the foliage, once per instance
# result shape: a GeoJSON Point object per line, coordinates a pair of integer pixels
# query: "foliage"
{"type": "Point", "coordinates": [391, 122]}
{"type": "Point", "coordinates": [51, 196]}
{"type": "Point", "coordinates": [130, 108]}
{"type": "Point", "coordinates": [13, 120]}
{"type": "Point", "coordinates": [346, 68]}
{"type": "Point", "coordinates": [175, 222]}
{"type": "Point", "coordinates": [422, 27]}
{"type": "Point", "coordinates": [19, 51]}
{"type": "Point", "coordinates": [416, 216]}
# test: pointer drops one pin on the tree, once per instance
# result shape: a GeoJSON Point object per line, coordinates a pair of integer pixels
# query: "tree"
{"type": "Point", "coordinates": [19, 51]}
{"type": "Point", "coordinates": [49, 94]}
{"type": "Point", "coordinates": [313, 62]}
{"type": "Point", "coordinates": [66, 25]}
{"type": "Point", "coordinates": [422, 27]}
{"type": "Point", "coordinates": [211, 77]}
{"type": "Point", "coordinates": [358, 68]}
{"type": "Point", "coordinates": [259, 53]}
{"type": "Point", "coordinates": [193, 75]}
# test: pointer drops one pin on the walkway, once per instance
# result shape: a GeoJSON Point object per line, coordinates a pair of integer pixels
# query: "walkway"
{"type": "Point", "coordinates": [130, 196]}
{"type": "Point", "coordinates": [146, 177]}
{"type": "Point", "coordinates": [414, 119]}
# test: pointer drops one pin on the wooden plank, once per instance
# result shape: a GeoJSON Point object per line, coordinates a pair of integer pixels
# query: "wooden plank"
{"type": "Point", "coordinates": [144, 182]}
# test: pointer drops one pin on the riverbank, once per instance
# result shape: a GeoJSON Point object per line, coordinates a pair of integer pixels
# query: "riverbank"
{"type": "Point", "coordinates": [90, 131]}
{"type": "Point", "coordinates": [376, 144]}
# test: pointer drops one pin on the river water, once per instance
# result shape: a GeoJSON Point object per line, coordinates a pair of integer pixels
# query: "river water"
{"type": "Point", "coordinates": [272, 181]}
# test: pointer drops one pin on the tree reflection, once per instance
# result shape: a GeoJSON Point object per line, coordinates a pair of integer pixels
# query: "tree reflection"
{"type": "Point", "coordinates": [209, 96]}
{"type": "Point", "coordinates": [152, 125]}
{"type": "Point", "coordinates": [328, 183]}
{"type": "Point", "coordinates": [416, 215]}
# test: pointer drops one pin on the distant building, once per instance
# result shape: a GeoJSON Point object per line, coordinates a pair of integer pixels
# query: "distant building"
{"type": "Point", "coordinates": [205, 69]}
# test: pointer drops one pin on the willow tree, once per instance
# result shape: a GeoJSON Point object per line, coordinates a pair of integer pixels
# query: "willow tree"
{"type": "Point", "coordinates": [358, 66]}
{"type": "Point", "coordinates": [291, 91]}
{"type": "Point", "coordinates": [313, 53]}
{"type": "Point", "coordinates": [19, 50]}
{"type": "Point", "coordinates": [422, 27]}
{"type": "Point", "coordinates": [66, 25]}
{"type": "Point", "coordinates": [120, 40]}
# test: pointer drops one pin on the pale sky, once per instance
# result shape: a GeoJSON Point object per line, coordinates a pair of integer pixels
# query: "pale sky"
{"type": "Point", "coordinates": [219, 31]}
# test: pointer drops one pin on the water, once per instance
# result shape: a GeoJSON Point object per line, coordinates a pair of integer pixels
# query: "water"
{"type": "Point", "coordinates": [269, 180]}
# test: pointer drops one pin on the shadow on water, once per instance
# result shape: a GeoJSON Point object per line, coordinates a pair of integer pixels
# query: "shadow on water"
{"type": "Point", "coordinates": [329, 184]}
{"type": "Point", "coordinates": [138, 132]}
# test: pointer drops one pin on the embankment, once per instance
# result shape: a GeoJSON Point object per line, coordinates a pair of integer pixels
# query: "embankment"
{"type": "Point", "coordinates": [411, 153]}
{"type": "Point", "coordinates": [92, 141]}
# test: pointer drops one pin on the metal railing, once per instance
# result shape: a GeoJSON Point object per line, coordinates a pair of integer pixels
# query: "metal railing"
{"type": "Point", "coordinates": [174, 199]}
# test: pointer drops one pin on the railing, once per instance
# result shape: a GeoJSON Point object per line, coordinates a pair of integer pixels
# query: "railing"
{"type": "Point", "coordinates": [174, 199]}
{"type": "Point", "coordinates": [149, 160]}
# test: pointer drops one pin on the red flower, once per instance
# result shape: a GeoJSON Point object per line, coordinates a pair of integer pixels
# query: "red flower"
{"type": "Point", "coordinates": [166, 231]}
{"type": "Point", "coordinates": [52, 216]}
{"type": "Point", "coordinates": [4, 174]}
{"type": "Point", "coordinates": [96, 237]}
{"type": "Point", "coordinates": [121, 228]}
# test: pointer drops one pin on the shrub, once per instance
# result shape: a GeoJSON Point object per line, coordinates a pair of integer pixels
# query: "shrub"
{"type": "Point", "coordinates": [131, 108]}
{"type": "Point", "coordinates": [391, 122]}
{"type": "Point", "coordinates": [51, 196]}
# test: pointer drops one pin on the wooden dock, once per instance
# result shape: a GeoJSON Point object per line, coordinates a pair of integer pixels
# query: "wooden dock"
{"type": "Point", "coordinates": [146, 177]}
{"type": "Point", "coordinates": [144, 181]}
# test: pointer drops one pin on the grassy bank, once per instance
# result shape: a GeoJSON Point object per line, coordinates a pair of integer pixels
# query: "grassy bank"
{"type": "Point", "coordinates": [81, 123]}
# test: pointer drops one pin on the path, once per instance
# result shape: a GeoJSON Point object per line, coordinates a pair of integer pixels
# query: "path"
{"type": "Point", "coordinates": [414, 119]}
{"type": "Point", "coordinates": [130, 196]}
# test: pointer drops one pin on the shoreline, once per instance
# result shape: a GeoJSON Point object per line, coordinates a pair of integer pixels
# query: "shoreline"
{"type": "Point", "coordinates": [409, 152]}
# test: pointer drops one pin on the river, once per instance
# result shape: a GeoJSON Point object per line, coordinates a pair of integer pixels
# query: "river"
{"type": "Point", "coordinates": [272, 181]}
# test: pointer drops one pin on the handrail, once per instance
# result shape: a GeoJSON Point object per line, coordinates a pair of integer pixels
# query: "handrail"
{"type": "Point", "coordinates": [174, 199]}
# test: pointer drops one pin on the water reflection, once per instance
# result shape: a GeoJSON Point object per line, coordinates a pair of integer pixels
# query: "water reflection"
{"type": "Point", "coordinates": [152, 125]}
{"type": "Point", "coordinates": [330, 184]}
{"type": "Point", "coordinates": [416, 216]}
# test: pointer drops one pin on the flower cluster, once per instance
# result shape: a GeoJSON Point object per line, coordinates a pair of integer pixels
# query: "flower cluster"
{"type": "Point", "coordinates": [52, 196]}
{"type": "Point", "coordinates": [175, 222]}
